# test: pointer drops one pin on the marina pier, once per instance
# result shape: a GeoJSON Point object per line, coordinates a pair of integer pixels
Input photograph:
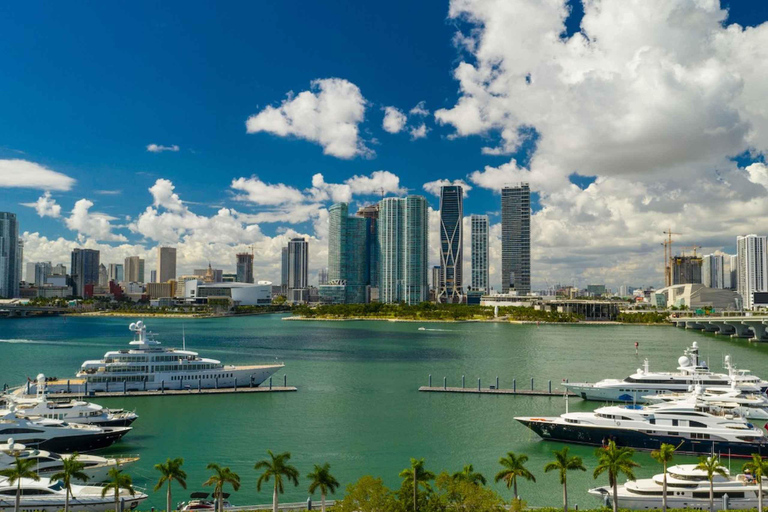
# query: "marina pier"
{"type": "Point", "coordinates": [495, 389]}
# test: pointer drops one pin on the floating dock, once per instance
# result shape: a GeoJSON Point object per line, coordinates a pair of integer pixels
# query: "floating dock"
{"type": "Point", "coordinates": [174, 392]}
{"type": "Point", "coordinates": [494, 391]}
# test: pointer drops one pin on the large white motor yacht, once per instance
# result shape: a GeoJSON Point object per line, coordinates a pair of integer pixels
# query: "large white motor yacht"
{"type": "Point", "coordinates": [49, 463]}
{"type": "Point", "coordinates": [49, 495]}
{"type": "Point", "coordinates": [71, 411]}
{"type": "Point", "coordinates": [691, 371]}
{"type": "Point", "coordinates": [749, 405]}
{"type": "Point", "coordinates": [696, 428]}
{"type": "Point", "coordinates": [55, 435]}
{"type": "Point", "coordinates": [687, 487]}
{"type": "Point", "coordinates": [148, 366]}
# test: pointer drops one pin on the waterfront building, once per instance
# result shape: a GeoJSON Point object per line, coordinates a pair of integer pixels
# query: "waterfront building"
{"type": "Point", "coordinates": [103, 276]}
{"type": "Point", "coordinates": [37, 272]}
{"type": "Point", "coordinates": [115, 272]}
{"type": "Point", "coordinates": [241, 294]}
{"type": "Point", "coordinates": [85, 270]}
{"type": "Point", "coordinates": [686, 270]}
{"type": "Point", "coordinates": [731, 277]}
{"type": "Point", "coordinates": [479, 243]}
{"type": "Point", "coordinates": [371, 213]}
{"type": "Point", "coordinates": [436, 273]}
{"type": "Point", "coordinates": [245, 267]}
{"type": "Point", "coordinates": [713, 271]}
{"type": "Point", "coordinates": [516, 239]}
{"type": "Point", "coordinates": [695, 296]}
{"type": "Point", "coordinates": [348, 255]}
{"type": "Point", "coordinates": [298, 270]}
{"type": "Point", "coordinates": [10, 262]}
{"type": "Point", "coordinates": [284, 271]}
{"type": "Point", "coordinates": [134, 269]}
{"type": "Point", "coordinates": [752, 274]}
{"type": "Point", "coordinates": [166, 264]}
{"type": "Point", "coordinates": [451, 244]}
{"type": "Point", "coordinates": [162, 290]}
{"type": "Point", "coordinates": [596, 290]}
{"type": "Point", "coordinates": [403, 244]}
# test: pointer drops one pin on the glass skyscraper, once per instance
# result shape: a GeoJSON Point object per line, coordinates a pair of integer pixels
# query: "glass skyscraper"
{"type": "Point", "coordinates": [10, 259]}
{"type": "Point", "coordinates": [349, 246]}
{"type": "Point", "coordinates": [516, 239]}
{"type": "Point", "coordinates": [403, 245]}
{"type": "Point", "coordinates": [451, 243]}
{"type": "Point", "coordinates": [479, 242]}
{"type": "Point", "coordinates": [85, 270]}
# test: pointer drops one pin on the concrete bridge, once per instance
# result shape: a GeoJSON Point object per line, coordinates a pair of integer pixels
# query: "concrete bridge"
{"type": "Point", "coordinates": [752, 327]}
{"type": "Point", "coordinates": [21, 310]}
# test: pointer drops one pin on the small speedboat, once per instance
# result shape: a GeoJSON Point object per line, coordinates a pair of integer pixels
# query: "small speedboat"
{"type": "Point", "coordinates": [202, 501]}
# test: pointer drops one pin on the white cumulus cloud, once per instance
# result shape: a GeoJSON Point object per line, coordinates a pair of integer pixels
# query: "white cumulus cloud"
{"type": "Point", "coordinates": [92, 224]}
{"type": "Point", "coordinates": [394, 120]}
{"type": "Point", "coordinates": [17, 173]}
{"type": "Point", "coordinates": [46, 206]}
{"type": "Point", "coordinates": [433, 187]}
{"type": "Point", "coordinates": [158, 148]}
{"type": "Point", "coordinates": [328, 114]}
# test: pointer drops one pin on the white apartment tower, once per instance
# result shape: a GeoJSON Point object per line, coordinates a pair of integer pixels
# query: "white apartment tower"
{"type": "Point", "coordinates": [751, 272]}
{"type": "Point", "coordinates": [479, 242]}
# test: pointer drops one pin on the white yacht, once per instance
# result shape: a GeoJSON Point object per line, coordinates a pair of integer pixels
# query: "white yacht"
{"type": "Point", "coordinates": [749, 405]}
{"type": "Point", "coordinates": [49, 463]}
{"type": "Point", "coordinates": [698, 429]}
{"type": "Point", "coordinates": [691, 371]}
{"type": "Point", "coordinates": [71, 411]}
{"type": "Point", "coordinates": [147, 366]}
{"type": "Point", "coordinates": [687, 487]}
{"type": "Point", "coordinates": [55, 435]}
{"type": "Point", "coordinates": [49, 495]}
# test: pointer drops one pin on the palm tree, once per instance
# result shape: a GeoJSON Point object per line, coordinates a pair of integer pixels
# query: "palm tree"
{"type": "Point", "coordinates": [21, 468]}
{"type": "Point", "coordinates": [664, 456]}
{"type": "Point", "coordinates": [118, 480]}
{"type": "Point", "coordinates": [614, 461]}
{"type": "Point", "coordinates": [711, 466]}
{"type": "Point", "coordinates": [514, 467]}
{"type": "Point", "coordinates": [221, 476]}
{"type": "Point", "coordinates": [322, 479]}
{"type": "Point", "coordinates": [468, 475]}
{"type": "Point", "coordinates": [70, 468]}
{"type": "Point", "coordinates": [276, 467]}
{"type": "Point", "coordinates": [415, 475]}
{"type": "Point", "coordinates": [759, 468]}
{"type": "Point", "coordinates": [563, 464]}
{"type": "Point", "coordinates": [170, 470]}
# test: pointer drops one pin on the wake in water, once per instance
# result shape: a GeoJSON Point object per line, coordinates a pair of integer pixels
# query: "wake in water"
{"type": "Point", "coordinates": [46, 342]}
{"type": "Point", "coordinates": [436, 330]}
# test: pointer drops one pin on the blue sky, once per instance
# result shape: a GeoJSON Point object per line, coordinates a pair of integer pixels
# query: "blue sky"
{"type": "Point", "coordinates": [87, 87]}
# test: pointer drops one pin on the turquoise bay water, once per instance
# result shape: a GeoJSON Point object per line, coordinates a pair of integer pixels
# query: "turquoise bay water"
{"type": "Point", "coordinates": [358, 407]}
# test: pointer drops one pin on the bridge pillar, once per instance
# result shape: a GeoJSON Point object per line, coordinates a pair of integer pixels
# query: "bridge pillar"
{"type": "Point", "coordinates": [710, 326]}
{"type": "Point", "coordinates": [724, 328]}
{"type": "Point", "coordinates": [758, 328]}
{"type": "Point", "coordinates": [693, 324]}
{"type": "Point", "coordinates": [740, 330]}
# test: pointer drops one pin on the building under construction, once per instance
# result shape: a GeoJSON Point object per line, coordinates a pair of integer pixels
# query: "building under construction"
{"type": "Point", "coordinates": [686, 270]}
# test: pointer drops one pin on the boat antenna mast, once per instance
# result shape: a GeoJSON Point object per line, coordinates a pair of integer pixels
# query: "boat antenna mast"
{"type": "Point", "coordinates": [183, 338]}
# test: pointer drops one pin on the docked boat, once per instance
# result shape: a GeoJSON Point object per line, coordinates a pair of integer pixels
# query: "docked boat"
{"type": "Point", "coordinates": [50, 463]}
{"type": "Point", "coordinates": [692, 370]}
{"type": "Point", "coordinates": [71, 411]}
{"type": "Point", "coordinates": [698, 429]}
{"type": "Point", "coordinates": [687, 487]}
{"type": "Point", "coordinates": [148, 366]}
{"type": "Point", "coordinates": [202, 501]}
{"type": "Point", "coordinates": [749, 405]}
{"type": "Point", "coordinates": [55, 435]}
{"type": "Point", "coordinates": [49, 496]}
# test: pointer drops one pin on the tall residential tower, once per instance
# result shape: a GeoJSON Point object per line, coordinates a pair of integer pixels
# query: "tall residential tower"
{"type": "Point", "coordinates": [451, 244]}
{"type": "Point", "coordinates": [166, 264]}
{"type": "Point", "coordinates": [516, 239]}
{"type": "Point", "coordinates": [479, 243]}
{"type": "Point", "coordinates": [752, 272]}
{"type": "Point", "coordinates": [10, 263]}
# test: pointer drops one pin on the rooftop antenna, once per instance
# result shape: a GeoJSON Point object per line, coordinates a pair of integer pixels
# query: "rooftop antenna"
{"type": "Point", "coordinates": [183, 338]}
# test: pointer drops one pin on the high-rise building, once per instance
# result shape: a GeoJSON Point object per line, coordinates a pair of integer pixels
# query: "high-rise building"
{"type": "Point", "coordinates": [37, 271]}
{"type": "Point", "coordinates": [153, 276]}
{"type": "Point", "coordinates": [322, 276]}
{"type": "Point", "coordinates": [59, 269]}
{"type": "Point", "coordinates": [103, 275]}
{"type": "Point", "coordinates": [116, 272]}
{"type": "Point", "coordinates": [298, 270]}
{"type": "Point", "coordinates": [284, 271]}
{"type": "Point", "coordinates": [85, 270]}
{"type": "Point", "coordinates": [10, 263]}
{"type": "Point", "coordinates": [752, 274]}
{"type": "Point", "coordinates": [166, 264]}
{"type": "Point", "coordinates": [479, 243]}
{"type": "Point", "coordinates": [371, 213]}
{"type": "Point", "coordinates": [451, 244]}
{"type": "Point", "coordinates": [349, 250]}
{"type": "Point", "coordinates": [516, 239]}
{"type": "Point", "coordinates": [134, 269]}
{"type": "Point", "coordinates": [215, 274]}
{"type": "Point", "coordinates": [436, 273]}
{"type": "Point", "coordinates": [686, 270]}
{"type": "Point", "coordinates": [245, 267]}
{"type": "Point", "coordinates": [732, 261]}
{"type": "Point", "coordinates": [713, 271]}
{"type": "Point", "coordinates": [403, 244]}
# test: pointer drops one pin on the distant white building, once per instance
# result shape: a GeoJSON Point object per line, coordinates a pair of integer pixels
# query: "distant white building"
{"type": "Point", "coordinates": [713, 271]}
{"type": "Point", "coordinates": [243, 294]}
{"type": "Point", "coordinates": [752, 274]}
{"type": "Point", "coordinates": [694, 296]}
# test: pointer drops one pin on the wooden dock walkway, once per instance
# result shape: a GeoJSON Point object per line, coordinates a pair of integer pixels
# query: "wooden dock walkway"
{"type": "Point", "coordinates": [494, 391]}
{"type": "Point", "coordinates": [175, 392]}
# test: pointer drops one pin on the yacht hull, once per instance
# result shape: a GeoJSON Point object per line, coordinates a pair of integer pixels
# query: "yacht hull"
{"type": "Point", "coordinates": [70, 443]}
{"type": "Point", "coordinates": [599, 436]}
{"type": "Point", "coordinates": [655, 502]}
{"type": "Point", "coordinates": [7, 503]}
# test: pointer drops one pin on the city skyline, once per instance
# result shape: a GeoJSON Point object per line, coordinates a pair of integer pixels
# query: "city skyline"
{"type": "Point", "coordinates": [606, 178]}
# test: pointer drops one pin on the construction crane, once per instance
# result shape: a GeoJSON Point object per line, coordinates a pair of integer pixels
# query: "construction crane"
{"type": "Point", "coordinates": [668, 256]}
{"type": "Point", "coordinates": [693, 248]}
